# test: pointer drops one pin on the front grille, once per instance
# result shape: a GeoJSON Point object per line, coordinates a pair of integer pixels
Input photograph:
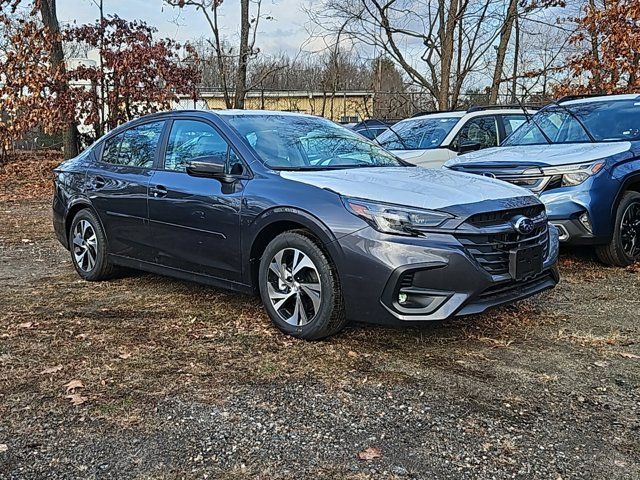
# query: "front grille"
{"type": "Point", "coordinates": [492, 250]}
{"type": "Point", "coordinates": [504, 216]}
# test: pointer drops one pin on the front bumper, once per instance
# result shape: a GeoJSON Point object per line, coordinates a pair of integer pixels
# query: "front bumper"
{"type": "Point", "coordinates": [440, 278]}
{"type": "Point", "coordinates": [582, 216]}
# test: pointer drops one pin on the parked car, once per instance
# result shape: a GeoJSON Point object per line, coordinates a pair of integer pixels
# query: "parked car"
{"type": "Point", "coordinates": [582, 157]}
{"type": "Point", "coordinates": [324, 224]}
{"type": "Point", "coordinates": [431, 139]}
{"type": "Point", "coordinates": [371, 128]}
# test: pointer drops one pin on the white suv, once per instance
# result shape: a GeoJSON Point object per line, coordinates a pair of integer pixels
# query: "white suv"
{"type": "Point", "coordinates": [429, 140]}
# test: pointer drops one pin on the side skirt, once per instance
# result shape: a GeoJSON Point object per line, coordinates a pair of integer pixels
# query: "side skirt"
{"type": "Point", "coordinates": [181, 274]}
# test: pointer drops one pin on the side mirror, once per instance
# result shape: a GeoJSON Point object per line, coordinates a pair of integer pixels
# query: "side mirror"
{"type": "Point", "coordinates": [209, 166]}
{"type": "Point", "coordinates": [469, 146]}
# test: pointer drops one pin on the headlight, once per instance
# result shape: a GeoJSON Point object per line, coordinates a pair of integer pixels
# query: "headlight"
{"type": "Point", "coordinates": [573, 175]}
{"type": "Point", "coordinates": [395, 219]}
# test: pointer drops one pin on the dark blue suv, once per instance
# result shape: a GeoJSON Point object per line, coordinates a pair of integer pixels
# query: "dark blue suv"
{"type": "Point", "coordinates": [582, 157]}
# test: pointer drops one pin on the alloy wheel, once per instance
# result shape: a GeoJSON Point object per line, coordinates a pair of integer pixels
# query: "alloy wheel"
{"type": "Point", "coordinates": [294, 287]}
{"type": "Point", "coordinates": [85, 246]}
{"type": "Point", "coordinates": [630, 230]}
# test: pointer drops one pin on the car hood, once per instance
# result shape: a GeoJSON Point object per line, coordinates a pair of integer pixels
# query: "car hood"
{"type": "Point", "coordinates": [539, 155]}
{"type": "Point", "coordinates": [410, 186]}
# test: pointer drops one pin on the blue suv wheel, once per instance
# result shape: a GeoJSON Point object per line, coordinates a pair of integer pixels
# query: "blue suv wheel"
{"type": "Point", "coordinates": [624, 248]}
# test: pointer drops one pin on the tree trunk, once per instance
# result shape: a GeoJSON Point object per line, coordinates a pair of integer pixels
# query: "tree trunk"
{"type": "Point", "coordinates": [50, 21]}
{"type": "Point", "coordinates": [593, 33]}
{"type": "Point", "coordinates": [516, 53]}
{"type": "Point", "coordinates": [446, 33]}
{"type": "Point", "coordinates": [241, 78]}
{"type": "Point", "coordinates": [505, 34]}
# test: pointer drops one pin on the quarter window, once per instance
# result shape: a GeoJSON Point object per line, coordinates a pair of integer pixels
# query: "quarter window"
{"type": "Point", "coordinates": [191, 139]}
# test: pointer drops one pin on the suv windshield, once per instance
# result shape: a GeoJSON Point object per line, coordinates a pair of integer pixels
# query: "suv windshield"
{"type": "Point", "coordinates": [417, 134]}
{"type": "Point", "coordinates": [297, 142]}
{"type": "Point", "coordinates": [607, 121]}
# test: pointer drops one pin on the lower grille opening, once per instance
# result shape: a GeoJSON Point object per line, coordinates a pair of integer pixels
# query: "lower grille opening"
{"type": "Point", "coordinates": [506, 289]}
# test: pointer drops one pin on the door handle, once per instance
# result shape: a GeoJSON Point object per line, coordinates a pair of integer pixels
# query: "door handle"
{"type": "Point", "coordinates": [158, 191]}
{"type": "Point", "coordinates": [97, 183]}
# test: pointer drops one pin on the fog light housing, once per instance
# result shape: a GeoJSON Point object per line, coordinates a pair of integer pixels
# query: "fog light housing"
{"type": "Point", "coordinates": [586, 222]}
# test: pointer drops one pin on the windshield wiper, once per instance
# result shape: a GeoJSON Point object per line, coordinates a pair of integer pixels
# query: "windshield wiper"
{"type": "Point", "coordinates": [399, 138]}
{"type": "Point", "coordinates": [575, 117]}
{"type": "Point", "coordinates": [529, 119]}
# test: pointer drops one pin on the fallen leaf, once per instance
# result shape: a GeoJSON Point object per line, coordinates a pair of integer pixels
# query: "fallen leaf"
{"type": "Point", "coordinates": [50, 370]}
{"type": "Point", "coordinates": [628, 355]}
{"type": "Point", "coordinates": [124, 356]}
{"type": "Point", "coordinates": [352, 354]}
{"type": "Point", "coordinates": [370, 453]}
{"type": "Point", "coordinates": [600, 364]}
{"type": "Point", "coordinates": [3, 447]}
{"type": "Point", "coordinates": [76, 399]}
{"type": "Point", "coordinates": [73, 384]}
{"type": "Point", "coordinates": [25, 325]}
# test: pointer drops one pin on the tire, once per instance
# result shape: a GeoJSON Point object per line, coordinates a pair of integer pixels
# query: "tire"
{"type": "Point", "coordinates": [293, 268]}
{"type": "Point", "coordinates": [88, 247]}
{"type": "Point", "coordinates": [615, 253]}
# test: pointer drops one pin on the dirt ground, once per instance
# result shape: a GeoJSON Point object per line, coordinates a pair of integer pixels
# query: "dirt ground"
{"type": "Point", "coordinates": [150, 377]}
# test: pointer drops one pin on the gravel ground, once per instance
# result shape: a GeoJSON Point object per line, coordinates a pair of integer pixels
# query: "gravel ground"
{"type": "Point", "coordinates": [176, 380]}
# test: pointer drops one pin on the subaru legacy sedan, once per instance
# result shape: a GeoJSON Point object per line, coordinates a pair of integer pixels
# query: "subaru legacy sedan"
{"type": "Point", "coordinates": [325, 225]}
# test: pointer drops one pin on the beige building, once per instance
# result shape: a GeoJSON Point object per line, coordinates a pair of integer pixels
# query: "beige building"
{"type": "Point", "coordinates": [351, 106]}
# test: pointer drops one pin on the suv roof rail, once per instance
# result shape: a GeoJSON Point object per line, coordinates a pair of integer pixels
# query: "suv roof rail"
{"type": "Point", "coordinates": [568, 98]}
{"type": "Point", "coordinates": [480, 108]}
{"type": "Point", "coordinates": [430, 112]}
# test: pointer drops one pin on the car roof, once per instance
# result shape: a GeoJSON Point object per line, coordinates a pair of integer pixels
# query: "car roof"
{"type": "Point", "coordinates": [248, 113]}
{"type": "Point", "coordinates": [475, 113]}
{"type": "Point", "coordinates": [603, 98]}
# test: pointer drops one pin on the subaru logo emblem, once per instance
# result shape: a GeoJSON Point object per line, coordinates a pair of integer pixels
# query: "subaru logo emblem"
{"type": "Point", "coordinates": [488, 175]}
{"type": "Point", "coordinates": [523, 225]}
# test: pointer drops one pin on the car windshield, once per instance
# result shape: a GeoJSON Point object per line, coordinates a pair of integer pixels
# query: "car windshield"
{"type": "Point", "coordinates": [297, 142]}
{"type": "Point", "coordinates": [417, 133]}
{"type": "Point", "coordinates": [607, 121]}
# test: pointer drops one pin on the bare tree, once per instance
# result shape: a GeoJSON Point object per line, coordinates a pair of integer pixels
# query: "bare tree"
{"type": "Point", "coordinates": [501, 53]}
{"type": "Point", "coordinates": [438, 44]}
{"type": "Point", "coordinates": [50, 20]}
{"type": "Point", "coordinates": [236, 80]}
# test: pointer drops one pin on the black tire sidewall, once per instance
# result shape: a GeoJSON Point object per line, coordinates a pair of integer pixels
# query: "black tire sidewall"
{"type": "Point", "coordinates": [320, 326]}
{"type": "Point", "coordinates": [628, 199]}
{"type": "Point", "coordinates": [101, 258]}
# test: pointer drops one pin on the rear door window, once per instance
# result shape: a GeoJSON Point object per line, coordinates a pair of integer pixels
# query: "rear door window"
{"type": "Point", "coordinates": [512, 123]}
{"type": "Point", "coordinates": [482, 130]}
{"type": "Point", "coordinates": [136, 147]}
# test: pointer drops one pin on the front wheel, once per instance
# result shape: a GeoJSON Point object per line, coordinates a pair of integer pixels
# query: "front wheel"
{"type": "Point", "coordinates": [624, 248]}
{"type": "Point", "coordinates": [300, 288]}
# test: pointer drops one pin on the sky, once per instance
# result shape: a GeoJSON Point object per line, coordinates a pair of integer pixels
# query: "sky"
{"type": "Point", "coordinates": [287, 31]}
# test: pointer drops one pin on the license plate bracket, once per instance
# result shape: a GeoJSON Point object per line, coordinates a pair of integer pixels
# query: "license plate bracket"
{"type": "Point", "coordinates": [526, 262]}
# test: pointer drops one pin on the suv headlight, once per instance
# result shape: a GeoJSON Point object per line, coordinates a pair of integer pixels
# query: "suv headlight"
{"type": "Point", "coordinates": [573, 175]}
{"type": "Point", "coordinates": [396, 219]}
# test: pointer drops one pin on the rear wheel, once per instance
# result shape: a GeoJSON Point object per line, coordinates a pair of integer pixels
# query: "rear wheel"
{"type": "Point", "coordinates": [624, 248]}
{"type": "Point", "coordinates": [88, 246]}
{"type": "Point", "coordinates": [300, 288]}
